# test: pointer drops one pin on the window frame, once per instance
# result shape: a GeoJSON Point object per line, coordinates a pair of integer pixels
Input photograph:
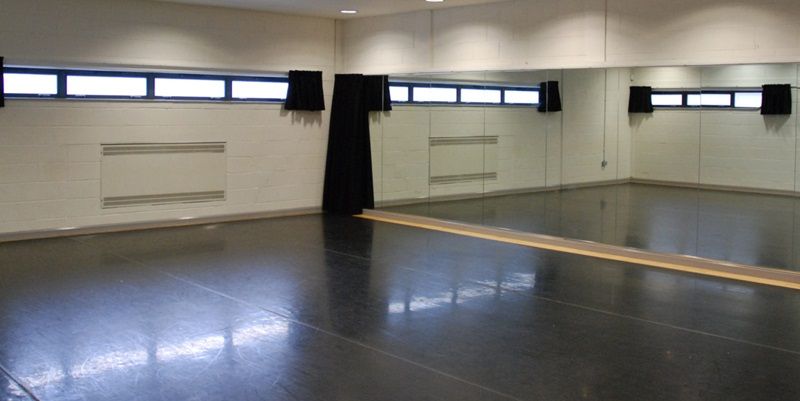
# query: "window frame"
{"type": "Point", "coordinates": [459, 102]}
{"type": "Point", "coordinates": [62, 74]}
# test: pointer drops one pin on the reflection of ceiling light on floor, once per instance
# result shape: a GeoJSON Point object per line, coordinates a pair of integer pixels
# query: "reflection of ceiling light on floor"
{"type": "Point", "coordinates": [484, 288]}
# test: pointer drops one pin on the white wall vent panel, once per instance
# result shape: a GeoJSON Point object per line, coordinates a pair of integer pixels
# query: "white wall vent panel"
{"type": "Point", "coordinates": [463, 140]}
{"type": "Point", "coordinates": [463, 159]}
{"type": "Point", "coordinates": [141, 174]}
{"type": "Point", "coordinates": [461, 178]}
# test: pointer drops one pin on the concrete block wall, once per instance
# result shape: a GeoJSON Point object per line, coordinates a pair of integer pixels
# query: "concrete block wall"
{"type": "Point", "coordinates": [50, 150]}
{"type": "Point", "coordinates": [540, 34]}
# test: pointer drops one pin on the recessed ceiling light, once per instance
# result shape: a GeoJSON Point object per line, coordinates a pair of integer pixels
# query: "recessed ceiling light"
{"type": "Point", "coordinates": [435, 1]}
{"type": "Point", "coordinates": [348, 11]}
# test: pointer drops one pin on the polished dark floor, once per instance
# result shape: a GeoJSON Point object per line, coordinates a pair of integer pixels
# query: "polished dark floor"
{"type": "Point", "coordinates": [338, 308]}
{"type": "Point", "coordinates": [753, 229]}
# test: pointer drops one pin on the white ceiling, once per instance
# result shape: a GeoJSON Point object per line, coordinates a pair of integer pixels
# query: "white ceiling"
{"type": "Point", "coordinates": [330, 8]}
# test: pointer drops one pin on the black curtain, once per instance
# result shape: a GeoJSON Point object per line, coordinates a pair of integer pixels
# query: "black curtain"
{"type": "Point", "coordinates": [641, 100]}
{"type": "Point", "coordinates": [348, 168]}
{"type": "Point", "coordinates": [776, 99]}
{"type": "Point", "coordinates": [305, 91]}
{"type": "Point", "coordinates": [2, 86]}
{"type": "Point", "coordinates": [377, 92]}
{"type": "Point", "coordinates": [549, 97]}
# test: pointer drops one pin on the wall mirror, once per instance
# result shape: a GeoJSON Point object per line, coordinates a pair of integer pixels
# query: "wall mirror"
{"type": "Point", "coordinates": [704, 174]}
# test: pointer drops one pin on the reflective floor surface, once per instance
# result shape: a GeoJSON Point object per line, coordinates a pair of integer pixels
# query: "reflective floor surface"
{"type": "Point", "coordinates": [753, 229]}
{"type": "Point", "coordinates": [339, 308]}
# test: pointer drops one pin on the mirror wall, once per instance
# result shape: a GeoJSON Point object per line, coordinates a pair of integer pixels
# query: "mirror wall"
{"type": "Point", "coordinates": [705, 174]}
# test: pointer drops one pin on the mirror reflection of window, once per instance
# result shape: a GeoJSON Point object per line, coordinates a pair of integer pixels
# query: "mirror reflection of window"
{"type": "Point", "coordinates": [747, 99]}
{"type": "Point", "coordinates": [709, 99]}
{"type": "Point", "coordinates": [398, 93]}
{"type": "Point", "coordinates": [529, 97]}
{"type": "Point", "coordinates": [489, 96]}
{"type": "Point", "coordinates": [442, 95]}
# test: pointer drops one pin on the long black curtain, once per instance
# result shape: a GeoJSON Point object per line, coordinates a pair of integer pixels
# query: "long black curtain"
{"type": "Point", "coordinates": [305, 91]}
{"type": "Point", "coordinates": [776, 99]}
{"type": "Point", "coordinates": [348, 168]}
{"type": "Point", "coordinates": [549, 96]}
{"type": "Point", "coordinates": [2, 86]}
{"type": "Point", "coordinates": [641, 99]}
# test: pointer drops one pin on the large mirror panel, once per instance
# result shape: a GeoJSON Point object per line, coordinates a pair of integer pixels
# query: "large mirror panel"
{"type": "Point", "coordinates": [402, 142]}
{"type": "Point", "coordinates": [748, 168]}
{"type": "Point", "coordinates": [704, 174]}
{"type": "Point", "coordinates": [488, 146]}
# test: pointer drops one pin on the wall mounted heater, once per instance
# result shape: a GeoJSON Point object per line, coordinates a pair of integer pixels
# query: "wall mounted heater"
{"type": "Point", "coordinates": [142, 174]}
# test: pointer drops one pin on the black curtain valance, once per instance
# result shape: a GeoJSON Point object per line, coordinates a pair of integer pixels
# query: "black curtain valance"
{"type": "Point", "coordinates": [776, 99]}
{"type": "Point", "coordinates": [378, 97]}
{"type": "Point", "coordinates": [348, 168]}
{"type": "Point", "coordinates": [305, 91]}
{"type": "Point", "coordinates": [549, 97]}
{"type": "Point", "coordinates": [641, 100]}
{"type": "Point", "coordinates": [2, 86]}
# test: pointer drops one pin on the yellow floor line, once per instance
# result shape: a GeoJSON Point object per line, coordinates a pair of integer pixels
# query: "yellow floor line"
{"type": "Point", "coordinates": [594, 254]}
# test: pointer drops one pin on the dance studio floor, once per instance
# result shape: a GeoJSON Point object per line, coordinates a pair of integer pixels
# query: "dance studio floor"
{"type": "Point", "coordinates": [339, 308]}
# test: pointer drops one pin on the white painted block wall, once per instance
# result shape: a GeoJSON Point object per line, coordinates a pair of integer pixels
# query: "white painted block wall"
{"type": "Point", "coordinates": [50, 150]}
{"type": "Point", "coordinates": [540, 34]}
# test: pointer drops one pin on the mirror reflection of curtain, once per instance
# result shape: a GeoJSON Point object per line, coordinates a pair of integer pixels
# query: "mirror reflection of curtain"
{"type": "Point", "coordinates": [549, 96]}
{"type": "Point", "coordinates": [641, 100]}
{"type": "Point", "coordinates": [356, 302]}
{"type": "Point", "coordinates": [776, 99]}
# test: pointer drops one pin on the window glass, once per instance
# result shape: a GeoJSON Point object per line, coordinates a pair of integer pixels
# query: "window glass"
{"type": "Point", "coordinates": [30, 84]}
{"type": "Point", "coordinates": [196, 88]}
{"type": "Point", "coordinates": [259, 90]}
{"type": "Point", "coordinates": [445, 95]}
{"type": "Point", "coordinates": [79, 85]}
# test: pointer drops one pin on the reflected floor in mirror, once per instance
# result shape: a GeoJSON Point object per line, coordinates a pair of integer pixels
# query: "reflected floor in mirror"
{"type": "Point", "coordinates": [747, 228]}
{"type": "Point", "coordinates": [340, 308]}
